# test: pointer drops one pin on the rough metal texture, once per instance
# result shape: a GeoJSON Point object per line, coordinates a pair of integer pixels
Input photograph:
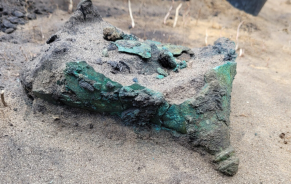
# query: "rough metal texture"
{"type": "Point", "coordinates": [72, 70]}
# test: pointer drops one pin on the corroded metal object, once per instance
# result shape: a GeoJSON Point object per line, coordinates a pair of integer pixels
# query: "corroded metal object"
{"type": "Point", "coordinates": [73, 71]}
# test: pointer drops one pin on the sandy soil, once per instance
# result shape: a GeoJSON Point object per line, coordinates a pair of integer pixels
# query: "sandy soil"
{"type": "Point", "coordinates": [54, 144]}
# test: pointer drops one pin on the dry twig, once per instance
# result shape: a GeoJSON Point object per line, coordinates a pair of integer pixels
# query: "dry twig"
{"type": "Point", "coordinates": [206, 37]}
{"type": "Point", "coordinates": [130, 13]}
{"type": "Point", "coordinates": [42, 36]}
{"type": "Point", "coordinates": [241, 52]}
{"type": "Point", "coordinates": [2, 99]}
{"type": "Point", "coordinates": [237, 34]}
{"type": "Point", "coordinates": [168, 14]}
{"type": "Point", "coordinates": [177, 14]}
{"type": "Point", "coordinates": [70, 7]}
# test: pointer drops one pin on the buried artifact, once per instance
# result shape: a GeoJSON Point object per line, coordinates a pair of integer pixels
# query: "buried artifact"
{"type": "Point", "coordinates": [143, 82]}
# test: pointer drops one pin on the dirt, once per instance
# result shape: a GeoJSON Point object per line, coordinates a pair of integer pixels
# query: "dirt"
{"type": "Point", "coordinates": [56, 144]}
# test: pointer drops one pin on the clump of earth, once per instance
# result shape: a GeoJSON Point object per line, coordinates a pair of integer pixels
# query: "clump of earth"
{"type": "Point", "coordinates": [91, 64]}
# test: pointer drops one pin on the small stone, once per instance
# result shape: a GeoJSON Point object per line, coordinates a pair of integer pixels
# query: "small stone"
{"type": "Point", "coordinates": [56, 118]}
{"type": "Point", "coordinates": [86, 85]}
{"type": "Point", "coordinates": [112, 34]}
{"type": "Point", "coordinates": [160, 77]}
{"type": "Point", "coordinates": [167, 60]}
{"type": "Point", "coordinates": [13, 20]}
{"type": "Point", "coordinates": [109, 85]}
{"type": "Point", "coordinates": [111, 47]}
{"type": "Point", "coordinates": [229, 167]}
{"type": "Point", "coordinates": [21, 22]}
{"type": "Point", "coordinates": [37, 11]}
{"type": "Point", "coordinates": [135, 80]}
{"type": "Point", "coordinates": [105, 53]}
{"type": "Point", "coordinates": [9, 31]}
{"type": "Point", "coordinates": [18, 14]}
{"type": "Point", "coordinates": [31, 16]}
{"type": "Point", "coordinates": [91, 126]}
{"type": "Point", "coordinates": [176, 69]}
{"type": "Point", "coordinates": [52, 39]}
{"type": "Point", "coordinates": [99, 61]}
{"type": "Point", "coordinates": [115, 65]}
{"type": "Point", "coordinates": [162, 72]}
{"type": "Point", "coordinates": [5, 12]}
{"type": "Point", "coordinates": [8, 24]}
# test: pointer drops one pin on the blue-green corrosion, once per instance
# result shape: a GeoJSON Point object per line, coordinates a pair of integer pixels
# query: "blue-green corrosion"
{"type": "Point", "coordinates": [213, 102]}
{"type": "Point", "coordinates": [176, 50]}
{"type": "Point", "coordinates": [85, 88]}
{"type": "Point", "coordinates": [134, 47]}
{"type": "Point", "coordinates": [88, 89]}
{"type": "Point", "coordinates": [143, 48]}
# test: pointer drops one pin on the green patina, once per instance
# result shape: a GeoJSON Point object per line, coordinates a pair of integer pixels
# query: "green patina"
{"type": "Point", "coordinates": [92, 90]}
{"type": "Point", "coordinates": [176, 50]}
{"type": "Point", "coordinates": [129, 37]}
{"type": "Point", "coordinates": [143, 48]}
{"type": "Point", "coordinates": [183, 65]}
{"type": "Point", "coordinates": [85, 88]}
{"type": "Point", "coordinates": [134, 47]}
{"type": "Point", "coordinates": [189, 112]}
{"type": "Point", "coordinates": [179, 66]}
{"type": "Point", "coordinates": [160, 77]}
{"type": "Point", "coordinates": [149, 42]}
{"type": "Point", "coordinates": [226, 74]}
{"type": "Point", "coordinates": [162, 72]}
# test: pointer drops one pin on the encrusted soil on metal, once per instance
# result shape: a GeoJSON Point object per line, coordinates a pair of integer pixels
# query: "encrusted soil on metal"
{"type": "Point", "coordinates": [44, 143]}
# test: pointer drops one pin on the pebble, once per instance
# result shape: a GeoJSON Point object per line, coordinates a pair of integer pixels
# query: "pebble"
{"type": "Point", "coordinates": [135, 80]}
{"type": "Point", "coordinates": [9, 31]}
{"type": "Point", "coordinates": [99, 61]}
{"type": "Point", "coordinates": [15, 20]}
{"type": "Point", "coordinates": [18, 14]}
{"type": "Point", "coordinates": [5, 12]}
{"type": "Point", "coordinates": [105, 53]}
{"type": "Point", "coordinates": [31, 16]}
{"type": "Point", "coordinates": [111, 47]}
{"type": "Point", "coordinates": [8, 24]}
{"type": "Point", "coordinates": [37, 11]}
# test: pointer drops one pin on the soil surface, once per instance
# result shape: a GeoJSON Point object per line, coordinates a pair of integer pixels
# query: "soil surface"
{"type": "Point", "coordinates": [57, 144]}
